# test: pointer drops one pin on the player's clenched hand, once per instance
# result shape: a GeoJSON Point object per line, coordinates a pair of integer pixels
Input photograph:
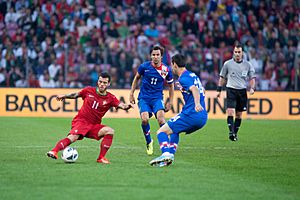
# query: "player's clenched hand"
{"type": "Point", "coordinates": [60, 97]}
{"type": "Point", "coordinates": [251, 91]}
{"type": "Point", "coordinates": [131, 99]}
{"type": "Point", "coordinates": [198, 108]}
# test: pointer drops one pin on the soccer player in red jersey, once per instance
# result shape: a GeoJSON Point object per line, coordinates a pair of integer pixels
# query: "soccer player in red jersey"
{"type": "Point", "coordinates": [87, 123]}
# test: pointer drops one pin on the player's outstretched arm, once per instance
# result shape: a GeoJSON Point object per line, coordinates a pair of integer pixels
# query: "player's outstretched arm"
{"type": "Point", "coordinates": [125, 106]}
{"type": "Point", "coordinates": [133, 87]}
{"type": "Point", "coordinates": [62, 97]}
{"type": "Point", "coordinates": [196, 95]}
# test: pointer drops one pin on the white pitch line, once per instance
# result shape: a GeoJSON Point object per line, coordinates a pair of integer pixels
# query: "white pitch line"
{"type": "Point", "coordinates": [140, 147]}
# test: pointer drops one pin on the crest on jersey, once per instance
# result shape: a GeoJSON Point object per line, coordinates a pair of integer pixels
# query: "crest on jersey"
{"type": "Point", "coordinates": [104, 103]}
{"type": "Point", "coordinates": [163, 71]}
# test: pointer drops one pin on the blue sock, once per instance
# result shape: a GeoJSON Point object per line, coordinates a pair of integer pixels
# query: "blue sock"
{"type": "Point", "coordinates": [163, 141]}
{"type": "Point", "coordinates": [174, 140]}
{"type": "Point", "coordinates": [146, 130]}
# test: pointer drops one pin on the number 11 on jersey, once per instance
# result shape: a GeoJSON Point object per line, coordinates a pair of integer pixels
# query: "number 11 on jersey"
{"type": "Point", "coordinates": [153, 81]}
{"type": "Point", "coordinates": [95, 105]}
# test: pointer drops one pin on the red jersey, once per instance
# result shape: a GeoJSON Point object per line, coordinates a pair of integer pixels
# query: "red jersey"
{"type": "Point", "coordinates": [94, 105]}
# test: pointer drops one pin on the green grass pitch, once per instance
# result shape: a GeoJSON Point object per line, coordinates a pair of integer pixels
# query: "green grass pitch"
{"type": "Point", "coordinates": [263, 164]}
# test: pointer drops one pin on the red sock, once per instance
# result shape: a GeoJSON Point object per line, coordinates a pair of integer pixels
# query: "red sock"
{"type": "Point", "coordinates": [62, 144]}
{"type": "Point", "coordinates": [105, 145]}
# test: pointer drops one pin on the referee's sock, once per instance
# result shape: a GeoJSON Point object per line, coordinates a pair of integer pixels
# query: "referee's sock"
{"type": "Point", "coordinates": [230, 124]}
{"type": "Point", "coordinates": [237, 124]}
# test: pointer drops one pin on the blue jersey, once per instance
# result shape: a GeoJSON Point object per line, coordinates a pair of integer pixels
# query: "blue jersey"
{"type": "Point", "coordinates": [152, 84]}
{"type": "Point", "coordinates": [186, 80]}
{"type": "Point", "coordinates": [189, 120]}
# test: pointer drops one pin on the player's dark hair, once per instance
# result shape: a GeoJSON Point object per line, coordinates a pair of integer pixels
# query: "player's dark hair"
{"type": "Point", "coordinates": [105, 75]}
{"type": "Point", "coordinates": [157, 48]}
{"type": "Point", "coordinates": [179, 59]}
{"type": "Point", "coordinates": [238, 45]}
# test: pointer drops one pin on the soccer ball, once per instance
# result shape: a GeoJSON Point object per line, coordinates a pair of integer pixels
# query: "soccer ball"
{"type": "Point", "coordinates": [69, 155]}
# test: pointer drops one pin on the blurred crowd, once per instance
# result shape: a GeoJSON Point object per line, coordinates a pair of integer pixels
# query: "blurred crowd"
{"type": "Point", "coordinates": [66, 43]}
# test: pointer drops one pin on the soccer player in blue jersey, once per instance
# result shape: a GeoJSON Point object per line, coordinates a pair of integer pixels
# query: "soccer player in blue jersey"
{"type": "Point", "coordinates": [192, 117]}
{"type": "Point", "coordinates": [153, 75]}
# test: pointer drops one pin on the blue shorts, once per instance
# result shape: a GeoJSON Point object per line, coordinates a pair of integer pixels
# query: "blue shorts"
{"type": "Point", "coordinates": [187, 123]}
{"type": "Point", "coordinates": [151, 106]}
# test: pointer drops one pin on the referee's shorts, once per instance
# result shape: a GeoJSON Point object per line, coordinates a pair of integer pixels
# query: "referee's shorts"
{"type": "Point", "coordinates": [237, 99]}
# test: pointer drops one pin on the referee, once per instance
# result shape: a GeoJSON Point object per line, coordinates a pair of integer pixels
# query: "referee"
{"type": "Point", "coordinates": [236, 72]}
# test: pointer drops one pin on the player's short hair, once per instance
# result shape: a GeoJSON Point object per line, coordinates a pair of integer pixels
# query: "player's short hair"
{"type": "Point", "coordinates": [156, 47]}
{"type": "Point", "coordinates": [179, 59]}
{"type": "Point", "coordinates": [105, 75]}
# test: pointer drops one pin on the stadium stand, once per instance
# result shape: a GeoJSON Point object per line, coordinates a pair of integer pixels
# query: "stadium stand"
{"type": "Point", "coordinates": [66, 43]}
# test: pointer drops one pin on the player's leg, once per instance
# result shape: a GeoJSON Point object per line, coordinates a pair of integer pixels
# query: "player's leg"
{"type": "Point", "coordinates": [145, 109]}
{"type": "Point", "coordinates": [160, 115]}
{"type": "Point", "coordinates": [177, 124]}
{"type": "Point", "coordinates": [159, 110]}
{"type": "Point", "coordinates": [157, 106]}
{"type": "Point", "coordinates": [146, 126]}
{"type": "Point", "coordinates": [63, 143]}
{"type": "Point", "coordinates": [166, 157]}
{"type": "Point", "coordinates": [107, 134]}
{"type": "Point", "coordinates": [146, 131]}
{"type": "Point", "coordinates": [231, 105]}
{"type": "Point", "coordinates": [163, 138]}
{"type": "Point", "coordinates": [174, 140]}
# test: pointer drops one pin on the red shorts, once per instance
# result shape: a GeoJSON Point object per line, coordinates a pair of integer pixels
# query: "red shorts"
{"type": "Point", "coordinates": [85, 129]}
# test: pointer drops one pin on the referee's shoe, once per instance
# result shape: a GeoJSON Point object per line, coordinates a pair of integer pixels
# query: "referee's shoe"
{"type": "Point", "coordinates": [233, 136]}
